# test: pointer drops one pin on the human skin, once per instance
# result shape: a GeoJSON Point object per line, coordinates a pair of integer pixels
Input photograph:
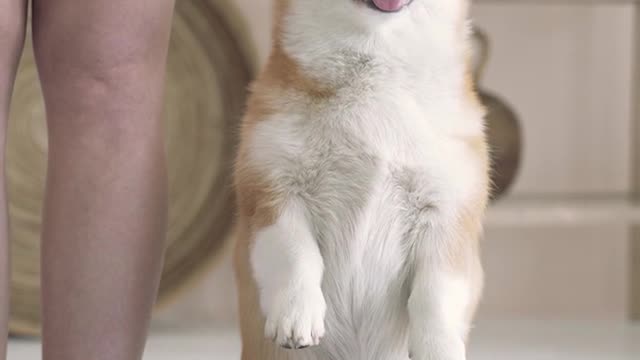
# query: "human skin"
{"type": "Point", "coordinates": [102, 69]}
{"type": "Point", "coordinates": [12, 32]}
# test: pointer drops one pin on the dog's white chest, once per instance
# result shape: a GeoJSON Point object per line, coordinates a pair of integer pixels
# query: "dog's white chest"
{"type": "Point", "coordinates": [341, 160]}
{"type": "Point", "coordinates": [367, 178]}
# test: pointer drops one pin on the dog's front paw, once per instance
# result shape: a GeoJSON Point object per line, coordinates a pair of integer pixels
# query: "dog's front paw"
{"type": "Point", "coordinates": [437, 348]}
{"type": "Point", "coordinates": [295, 318]}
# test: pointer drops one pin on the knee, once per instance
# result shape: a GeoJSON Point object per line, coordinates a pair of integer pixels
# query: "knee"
{"type": "Point", "coordinates": [115, 108]}
{"type": "Point", "coordinates": [115, 99]}
{"type": "Point", "coordinates": [11, 42]}
{"type": "Point", "coordinates": [113, 86]}
{"type": "Point", "coordinates": [110, 79]}
{"type": "Point", "coordinates": [102, 97]}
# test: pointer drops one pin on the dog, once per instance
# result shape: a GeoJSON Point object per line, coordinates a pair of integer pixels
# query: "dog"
{"type": "Point", "coordinates": [362, 178]}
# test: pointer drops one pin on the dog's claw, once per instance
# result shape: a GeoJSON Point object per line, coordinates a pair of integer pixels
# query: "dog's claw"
{"type": "Point", "coordinates": [296, 319]}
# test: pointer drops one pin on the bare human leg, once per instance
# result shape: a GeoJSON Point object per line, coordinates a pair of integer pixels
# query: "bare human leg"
{"type": "Point", "coordinates": [12, 30]}
{"type": "Point", "coordinates": [102, 67]}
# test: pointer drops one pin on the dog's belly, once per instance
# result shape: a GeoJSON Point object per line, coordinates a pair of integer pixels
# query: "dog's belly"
{"type": "Point", "coordinates": [367, 259]}
{"type": "Point", "coordinates": [368, 203]}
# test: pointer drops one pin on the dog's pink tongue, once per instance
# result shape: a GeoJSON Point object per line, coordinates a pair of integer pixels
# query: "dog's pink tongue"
{"type": "Point", "coordinates": [390, 5]}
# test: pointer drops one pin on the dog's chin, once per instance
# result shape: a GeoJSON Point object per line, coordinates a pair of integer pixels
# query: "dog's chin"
{"type": "Point", "coordinates": [387, 6]}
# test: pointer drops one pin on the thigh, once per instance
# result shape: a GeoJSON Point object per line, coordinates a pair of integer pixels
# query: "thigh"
{"type": "Point", "coordinates": [101, 32]}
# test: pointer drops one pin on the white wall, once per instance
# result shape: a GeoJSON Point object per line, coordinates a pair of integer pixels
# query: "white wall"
{"type": "Point", "coordinates": [567, 70]}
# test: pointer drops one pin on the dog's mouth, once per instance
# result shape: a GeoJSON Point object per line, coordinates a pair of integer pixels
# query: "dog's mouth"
{"type": "Point", "coordinates": [388, 6]}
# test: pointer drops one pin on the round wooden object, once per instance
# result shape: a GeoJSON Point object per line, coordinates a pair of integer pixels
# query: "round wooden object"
{"type": "Point", "coordinates": [209, 67]}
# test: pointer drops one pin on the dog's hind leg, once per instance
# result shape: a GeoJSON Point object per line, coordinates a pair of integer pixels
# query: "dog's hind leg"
{"type": "Point", "coordinates": [445, 291]}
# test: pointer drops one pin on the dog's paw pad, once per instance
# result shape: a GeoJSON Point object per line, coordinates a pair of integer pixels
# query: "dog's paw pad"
{"type": "Point", "coordinates": [296, 319]}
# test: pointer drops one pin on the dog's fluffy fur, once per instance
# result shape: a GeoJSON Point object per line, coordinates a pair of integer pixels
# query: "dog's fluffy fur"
{"type": "Point", "coordinates": [362, 179]}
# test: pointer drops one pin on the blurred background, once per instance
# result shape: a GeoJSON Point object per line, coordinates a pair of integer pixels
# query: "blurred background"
{"type": "Point", "coordinates": [561, 80]}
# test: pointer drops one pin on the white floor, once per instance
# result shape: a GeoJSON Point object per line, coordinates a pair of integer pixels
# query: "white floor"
{"type": "Point", "coordinates": [495, 340]}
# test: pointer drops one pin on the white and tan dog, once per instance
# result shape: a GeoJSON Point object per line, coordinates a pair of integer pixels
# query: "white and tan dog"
{"type": "Point", "coordinates": [362, 179]}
